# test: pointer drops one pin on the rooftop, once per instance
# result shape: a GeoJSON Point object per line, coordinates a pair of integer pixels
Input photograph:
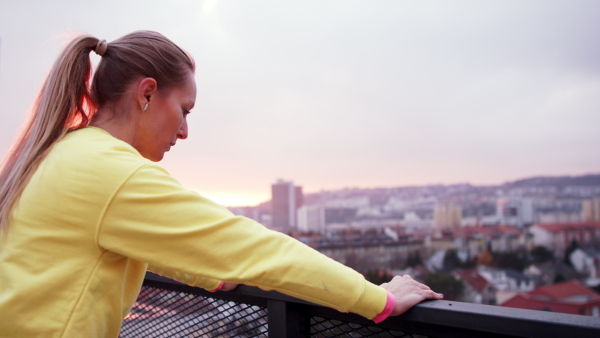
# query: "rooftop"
{"type": "Point", "coordinates": [558, 227]}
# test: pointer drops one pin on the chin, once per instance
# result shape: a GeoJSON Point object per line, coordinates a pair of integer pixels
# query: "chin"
{"type": "Point", "coordinates": [154, 158]}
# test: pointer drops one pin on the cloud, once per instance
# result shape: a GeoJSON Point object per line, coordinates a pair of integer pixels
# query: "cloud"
{"type": "Point", "coordinates": [209, 6]}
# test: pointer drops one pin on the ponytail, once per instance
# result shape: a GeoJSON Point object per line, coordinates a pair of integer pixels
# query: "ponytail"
{"type": "Point", "coordinates": [63, 104]}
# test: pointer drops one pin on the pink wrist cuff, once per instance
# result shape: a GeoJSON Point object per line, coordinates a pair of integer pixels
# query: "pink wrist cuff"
{"type": "Point", "coordinates": [387, 310]}
{"type": "Point", "coordinates": [218, 287]}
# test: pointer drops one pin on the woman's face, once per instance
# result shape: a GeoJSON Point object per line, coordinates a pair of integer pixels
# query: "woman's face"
{"type": "Point", "coordinates": [164, 122]}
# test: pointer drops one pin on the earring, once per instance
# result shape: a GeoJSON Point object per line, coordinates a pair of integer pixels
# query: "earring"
{"type": "Point", "coordinates": [145, 107]}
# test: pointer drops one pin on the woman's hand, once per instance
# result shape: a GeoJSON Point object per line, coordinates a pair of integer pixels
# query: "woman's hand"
{"type": "Point", "coordinates": [227, 286]}
{"type": "Point", "coordinates": [408, 292]}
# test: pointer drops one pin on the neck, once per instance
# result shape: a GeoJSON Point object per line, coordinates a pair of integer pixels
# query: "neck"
{"type": "Point", "coordinates": [115, 122]}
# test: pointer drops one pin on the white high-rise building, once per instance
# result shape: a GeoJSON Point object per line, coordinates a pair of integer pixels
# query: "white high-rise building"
{"type": "Point", "coordinates": [285, 200]}
{"type": "Point", "coordinates": [515, 211]}
{"type": "Point", "coordinates": [311, 218]}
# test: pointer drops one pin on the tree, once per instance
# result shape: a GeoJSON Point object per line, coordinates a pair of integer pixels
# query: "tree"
{"type": "Point", "coordinates": [541, 254]}
{"type": "Point", "coordinates": [445, 283]}
{"type": "Point", "coordinates": [510, 260]}
{"type": "Point", "coordinates": [470, 263]}
{"type": "Point", "coordinates": [485, 258]}
{"type": "Point", "coordinates": [451, 260]}
{"type": "Point", "coordinates": [559, 278]}
{"type": "Point", "coordinates": [398, 262]}
{"type": "Point", "coordinates": [418, 261]}
{"type": "Point", "coordinates": [352, 260]}
{"type": "Point", "coordinates": [414, 259]}
{"type": "Point", "coordinates": [359, 263]}
{"type": "Point", "coordinates": [378, 276]}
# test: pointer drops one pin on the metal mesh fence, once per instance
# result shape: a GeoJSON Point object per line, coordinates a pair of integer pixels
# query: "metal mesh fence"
{"type": "Point", "coordinates": [168, 309]}
{"type": "Point", "coordinates": [164, 313]}
{"type": "Point", "coordinates": [322, 327]}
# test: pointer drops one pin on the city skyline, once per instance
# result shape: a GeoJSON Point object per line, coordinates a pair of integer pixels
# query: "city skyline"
{"type": "Point", "coordinates": [349, 94]}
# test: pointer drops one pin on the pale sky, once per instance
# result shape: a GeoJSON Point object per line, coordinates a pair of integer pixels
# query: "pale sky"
{"type": "Point", "coordinates": [334, 94]}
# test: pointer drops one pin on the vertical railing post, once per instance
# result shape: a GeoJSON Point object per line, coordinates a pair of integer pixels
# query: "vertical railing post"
{"type": "Point", "coordinates": [285, 320]}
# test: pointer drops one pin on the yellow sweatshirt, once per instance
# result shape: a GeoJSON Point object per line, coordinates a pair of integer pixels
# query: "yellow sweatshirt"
{"type": "Point", "coordinates": [96, 215]}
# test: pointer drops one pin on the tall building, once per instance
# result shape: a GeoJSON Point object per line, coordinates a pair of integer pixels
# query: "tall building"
{"type": "Point", "coordinates": [447, 216]}
{"type": "Point", "coordinates": [298, 197]}
{"type": "Point", "coordinates": [285, 201]}
{"type": "Point", "coordinates": [317, 217]}
{"type": "Point", "coordinates": [311, 218]}
{"type": "Point", "coordinates": [515, 211]}
{"type": "Point", "coordinates": [590, 210]}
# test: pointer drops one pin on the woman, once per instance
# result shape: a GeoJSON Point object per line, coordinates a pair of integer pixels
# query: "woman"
{"type": "Point", "coordinates": [84, 213]}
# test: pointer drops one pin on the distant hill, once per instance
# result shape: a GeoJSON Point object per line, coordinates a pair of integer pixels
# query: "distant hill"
{"type": "Point", "coordinates": [560, 181]}
{"type": "Point", "coordinates": [379, 195]}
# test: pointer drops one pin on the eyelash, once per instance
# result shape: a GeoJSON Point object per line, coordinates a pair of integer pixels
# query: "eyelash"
{"type": "Point", "coordinates": [186, 112]}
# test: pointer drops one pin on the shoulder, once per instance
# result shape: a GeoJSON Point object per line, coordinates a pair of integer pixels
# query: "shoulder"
{"type": "Point", "coordinates": [91, 157]}
{"type": "Point", "coordinates": [91, 141]}
{"type": "Point", "coordinates": [95, 148]}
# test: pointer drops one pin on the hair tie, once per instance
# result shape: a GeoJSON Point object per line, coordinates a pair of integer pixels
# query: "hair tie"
{"type": "Point", "coordinates": [101, 47]}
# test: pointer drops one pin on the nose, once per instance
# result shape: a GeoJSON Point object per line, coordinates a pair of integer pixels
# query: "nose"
{"type": "Point", "coordinates": [182, 133]}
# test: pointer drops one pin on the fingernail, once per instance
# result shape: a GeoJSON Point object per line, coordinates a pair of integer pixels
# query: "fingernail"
{"type": "Point", "coordinates": [441, 294]}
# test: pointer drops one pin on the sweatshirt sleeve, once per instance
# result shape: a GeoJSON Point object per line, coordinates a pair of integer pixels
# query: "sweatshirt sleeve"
{"type": "Point", "coordinates": [151, 218]}
{"type": "Point", "coordinates": [199, 281]}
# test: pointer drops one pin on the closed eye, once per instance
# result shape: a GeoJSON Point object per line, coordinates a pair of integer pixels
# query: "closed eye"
{"type": "Point", "coordinates": [186, 112]}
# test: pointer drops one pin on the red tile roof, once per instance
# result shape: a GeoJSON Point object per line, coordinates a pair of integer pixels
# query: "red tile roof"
{"type": "Point", "coordinates": [569, 297]}
{"type": "Point", "coordinates": [473, 278]}
{"type": "Point", "coordinates": [565, 290]}
{"type": "Point", "coordinates": [491, 231]}
{"type": "Point", "coordinates": [558, 227]}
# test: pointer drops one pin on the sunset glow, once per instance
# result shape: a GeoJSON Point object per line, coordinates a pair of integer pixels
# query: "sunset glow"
{"type": "Point", "coordinates": [235, 199]}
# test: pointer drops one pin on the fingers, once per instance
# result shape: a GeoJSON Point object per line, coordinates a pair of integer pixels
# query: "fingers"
{"type": "Point", "coordinates": [424, 291]}
{"type": "Point", "coordinates": [424, 287]}
{"type": "Point", "coordinates": [405, 281]}
{"type": "Point", "coordinates": [430, 294]}
{"type": "Point", "coordinates": [408, 292]}
{"type": "Point", "coordinates": [227, 286]}
{"type": "Point", "coordinates": [437, 296]}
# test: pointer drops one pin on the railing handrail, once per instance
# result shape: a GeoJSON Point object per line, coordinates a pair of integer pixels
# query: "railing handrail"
{"type": "Point", "coordinates": [438, 318]}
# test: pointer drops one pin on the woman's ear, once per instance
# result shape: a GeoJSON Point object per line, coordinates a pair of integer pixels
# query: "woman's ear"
{"type": "Point", "coordinates": [146, 89]}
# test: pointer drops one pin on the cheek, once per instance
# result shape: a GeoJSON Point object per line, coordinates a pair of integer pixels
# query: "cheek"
{"type": "Point", "coordinates": [177, 122]}
{"type": "Point", "coordinates": [171, 120]}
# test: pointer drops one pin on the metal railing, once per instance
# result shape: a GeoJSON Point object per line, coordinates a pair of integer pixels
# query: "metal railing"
{"type": "Point", "coordinates": [166, 308]}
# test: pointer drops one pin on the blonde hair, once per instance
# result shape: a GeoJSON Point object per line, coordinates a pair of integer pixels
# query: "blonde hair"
{"type": "Point", "coordinates": [67, 102]}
